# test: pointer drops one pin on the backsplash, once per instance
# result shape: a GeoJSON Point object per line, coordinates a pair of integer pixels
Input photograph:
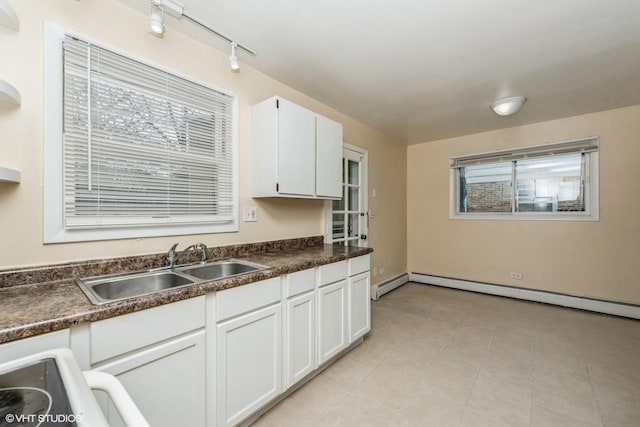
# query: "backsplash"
{"type": "Point", "coordinates": [50, 273]}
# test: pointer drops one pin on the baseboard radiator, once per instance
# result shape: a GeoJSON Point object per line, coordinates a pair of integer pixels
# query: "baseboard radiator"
{"type": "Point", "coordinates": [583, 303]}
{"type": "Point", "coordinates": [388, 285]}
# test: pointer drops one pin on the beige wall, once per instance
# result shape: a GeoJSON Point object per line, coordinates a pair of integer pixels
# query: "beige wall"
{"type": "Point", "coordinates": [111, 22]}
{"type": "Point", "coordinates": [594, 259]}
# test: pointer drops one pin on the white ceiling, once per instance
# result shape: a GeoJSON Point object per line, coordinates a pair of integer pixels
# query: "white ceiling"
{"type": "Point", "coordinates": [422, 70]}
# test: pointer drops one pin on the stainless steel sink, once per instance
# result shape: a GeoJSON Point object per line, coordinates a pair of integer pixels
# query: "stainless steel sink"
{"type": "Point", "coordinates": [111, 288]}
{"type": "Point", "coordinates": [103, 289]}
{"type": "Point", "coordinates": [220, 269]}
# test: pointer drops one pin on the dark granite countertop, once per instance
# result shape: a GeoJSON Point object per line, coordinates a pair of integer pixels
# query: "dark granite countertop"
{"type": "Point", "coordinates": [37, 308]}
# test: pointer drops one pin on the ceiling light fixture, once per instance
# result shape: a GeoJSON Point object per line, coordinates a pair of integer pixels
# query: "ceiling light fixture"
{"type": "Point", "coordinates": [176, 9]}
{"type": "Point", "coordinates": [508, 106]}
{"type": "Point", "coordinates": [233, 59]}
{"type": "Point", "coordinates": [156, 18]}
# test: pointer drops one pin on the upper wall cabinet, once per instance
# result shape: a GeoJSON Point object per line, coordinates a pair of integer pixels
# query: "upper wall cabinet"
{"type": "Point", "coordinates": [296, 152]}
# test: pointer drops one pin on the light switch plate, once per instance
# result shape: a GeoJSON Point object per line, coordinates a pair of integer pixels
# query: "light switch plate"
{"type": "Point", "coordinates": [250, 214]}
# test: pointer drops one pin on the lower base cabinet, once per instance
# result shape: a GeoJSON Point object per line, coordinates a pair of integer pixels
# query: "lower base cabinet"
{"type": "Point", "coordinates": [166, 382]}
{"type": "Point", "coordinates": [359, 305]}
{"type": "Point", "coordinates": [300, 333]}
{"type": "Point", "coordinates": [332, 320]}
{"type": "Point", "coordinates": [248, 354]}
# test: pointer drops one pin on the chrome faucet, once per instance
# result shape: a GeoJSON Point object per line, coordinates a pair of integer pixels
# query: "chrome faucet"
{"type": "Point", "coordinates": [203, 251]}
{"type": "Point", "coordinates": [171, 256]}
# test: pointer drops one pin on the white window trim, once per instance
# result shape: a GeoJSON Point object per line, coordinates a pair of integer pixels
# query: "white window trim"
{"type": "Point", "coordinates": [53, 222]}
{"type": "Point", "coordinates": [592, 200]}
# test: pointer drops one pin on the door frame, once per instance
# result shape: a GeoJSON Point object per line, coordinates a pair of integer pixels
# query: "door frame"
{"type": "Point", "coordinates": [364, 194]}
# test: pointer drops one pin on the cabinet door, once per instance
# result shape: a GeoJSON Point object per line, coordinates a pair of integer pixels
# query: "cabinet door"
{"type": "Point", "coordinates": [300, 350]}
{"type": "Point", "coordinates": [296, 149]}
{"type": "Point", "coordinates": [166, 382]}
{"type": "Point", "coordinates": [249, 363]}
{"type": "Point", "coordinates": [332, 320]}
{"type": "Point", "coordinates": [359, 306]}
{"type": "Point", "coordinates": [328, 158]}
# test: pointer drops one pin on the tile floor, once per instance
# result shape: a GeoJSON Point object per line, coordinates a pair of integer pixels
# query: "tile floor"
{"type": "Point", "coordinates": [443, 357]}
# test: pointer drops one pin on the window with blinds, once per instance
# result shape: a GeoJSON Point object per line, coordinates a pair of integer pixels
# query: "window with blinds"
{"type": "Point", "coordinates": [553, 181]}
{"type": "Point", "coordinates": [142, 148]}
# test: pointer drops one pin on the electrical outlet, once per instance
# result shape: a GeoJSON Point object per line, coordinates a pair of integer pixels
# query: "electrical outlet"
{"type": "Point", "coordinates": [381, 270]}
{"type": "Point", "coordinates": [516, 275]}
{"type": "Point", "coordinates": [250, 214]}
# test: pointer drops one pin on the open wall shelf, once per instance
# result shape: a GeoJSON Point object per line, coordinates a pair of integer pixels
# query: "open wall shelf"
{"type": "Point", "coordinates": [9, 95]}
{"type": "Point", "coordinates": [8, 17]}
{"type": "Point", "coordinates": [9, 175]}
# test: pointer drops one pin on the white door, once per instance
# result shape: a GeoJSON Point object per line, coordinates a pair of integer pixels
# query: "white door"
{"type": "Point", "coordinates": [347, 219]}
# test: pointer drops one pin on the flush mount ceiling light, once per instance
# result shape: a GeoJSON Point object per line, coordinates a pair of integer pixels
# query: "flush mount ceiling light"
{"type": "Point", "coordinates": [233, 59]}
{"type": "Point", "coordinates": [176, 9]}
{"type": "Point", "coordinates": [508, 106]}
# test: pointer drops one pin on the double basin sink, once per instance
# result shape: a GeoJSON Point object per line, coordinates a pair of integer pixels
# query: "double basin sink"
{"type": "Point", "coordinates": [104, 289]}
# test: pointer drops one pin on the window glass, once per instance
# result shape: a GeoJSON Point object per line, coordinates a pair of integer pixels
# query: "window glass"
{"type": "Point", "coordinates": [551, 181]}
{"type": "Point", "coordinates": [485, 188]}
{"type": "Point", "coordinates": [143, 151]}
{"type": "Point", "coordinates": [550, 184]}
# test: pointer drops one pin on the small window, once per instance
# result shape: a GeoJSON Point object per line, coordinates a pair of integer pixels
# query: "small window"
{"type": "Point", "coordinates": [555, 181]}
{"type": "Point", "coordinates": [144, 152]}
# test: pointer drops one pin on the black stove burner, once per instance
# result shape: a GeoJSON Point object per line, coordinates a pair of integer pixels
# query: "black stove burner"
{"type": "Point", "coordinates": [34, 395]}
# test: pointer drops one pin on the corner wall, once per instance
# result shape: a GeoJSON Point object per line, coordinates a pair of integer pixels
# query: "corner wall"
{"type": "Point", "coordinates": [22, 139]}
{"type": "Point", "coordinates": [591, 259]}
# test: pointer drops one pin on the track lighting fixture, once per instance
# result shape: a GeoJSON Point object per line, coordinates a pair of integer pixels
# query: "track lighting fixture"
{"type": "Point", "coordinates": [233, 59]}
{"type": "Point", "coordinates": [176, 9]}
{"type": "Point", "coordinates": [156, 19]}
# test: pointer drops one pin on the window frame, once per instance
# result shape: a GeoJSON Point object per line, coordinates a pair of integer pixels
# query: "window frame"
{"type": "Point", "coordinates": [591, 193]}
{"type": "Point", "coordinates": [54, 230]}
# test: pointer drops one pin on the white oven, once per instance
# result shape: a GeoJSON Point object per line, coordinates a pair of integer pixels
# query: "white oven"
{"type": "Point", "coordinates": [48, 388]}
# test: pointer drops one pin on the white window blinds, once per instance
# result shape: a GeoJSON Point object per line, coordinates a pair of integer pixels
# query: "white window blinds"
{"type": "Point", "coordinates": [586, 145]}
{"type": "Point", "coordinates": [142, 146]}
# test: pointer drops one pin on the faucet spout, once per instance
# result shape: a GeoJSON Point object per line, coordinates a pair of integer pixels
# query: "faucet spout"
{"type": "Point", "coordinates": [171, 256]}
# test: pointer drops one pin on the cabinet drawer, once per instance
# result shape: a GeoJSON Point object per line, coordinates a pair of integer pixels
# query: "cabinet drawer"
{"type": "Point", "coordinates": [359, 265]}
{"type": "Point", "coordinates": [299, 282]}
{"type": "Point", "coordinates": [331, 273]}
{"type": "Point", "coordinates": [235, 301]}
{"type": "Point", "coordinates": [122, 334]}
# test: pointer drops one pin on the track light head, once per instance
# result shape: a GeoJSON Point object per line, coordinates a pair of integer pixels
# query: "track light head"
{"type": "Point", "coordinates": [233, 59]}
{"type": "Point", "coordinates": [156, 18]}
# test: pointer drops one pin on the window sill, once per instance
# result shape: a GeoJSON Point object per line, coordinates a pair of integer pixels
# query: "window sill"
{"type": "Point", "coordinates": [526, 217]}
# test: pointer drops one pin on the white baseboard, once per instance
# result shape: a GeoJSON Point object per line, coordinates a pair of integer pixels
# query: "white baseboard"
{"type": "Point", "coordinates": [599, 306]}
{"type": "Point", "coordinates": [388, 285]}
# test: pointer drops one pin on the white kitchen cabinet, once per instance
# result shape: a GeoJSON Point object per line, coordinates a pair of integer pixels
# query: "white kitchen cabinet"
{"type": "Point", "coordinates": [359, 306]}
{"type": "Point", "coordinates": [248, 349]}
{"type": "Point", "coordinates": [159, 356]}
{"type": "Point", "coordinates": [328, 158]}
{"type": "Point", "coordinates": [300, 326]}
{"type": "Point", "coordinates": [359, 295]}
{"type": "Point", "coordinates": [331, 296]}
{"type": "Point", "coordinates": [296, 152]}
{"type": "Point", "coordinates": [167, 382]}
